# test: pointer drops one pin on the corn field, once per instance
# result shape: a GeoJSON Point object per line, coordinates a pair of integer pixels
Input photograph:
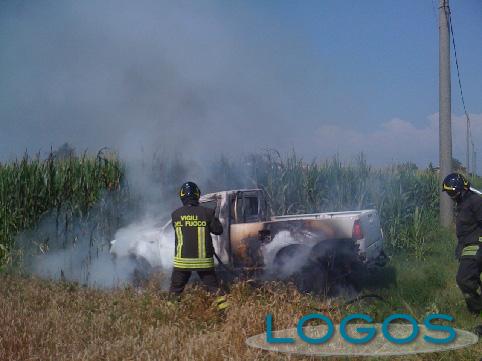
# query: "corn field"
{"type": "Point", "coordinates": [405, 197]}
{"type": "Point", "coordinates": [31, 188]}
{"type": "Point", "coordinates": [95, 189]}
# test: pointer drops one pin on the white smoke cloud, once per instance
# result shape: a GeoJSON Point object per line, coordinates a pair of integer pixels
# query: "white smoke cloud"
{"type": "Point", "coordinates": [90, 257]}
{"type": "Point", "coordinates": [73, 265]}
{"type": "Point", "coordinates": [290, 263]}
{"type": "Point", "coordinates": [147, 240]}
{"type": "Point", "coordinates": [198, 77]}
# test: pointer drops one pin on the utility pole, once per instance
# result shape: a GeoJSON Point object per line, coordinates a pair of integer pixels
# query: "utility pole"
{"type": "Point", "coordinates": [445, 123]}
{"type": "Point", "coordinates": [474, 161]}
{"type": "Point", "coordinates": [467, 139]}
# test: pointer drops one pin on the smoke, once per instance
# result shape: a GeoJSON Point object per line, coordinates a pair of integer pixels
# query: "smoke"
{"type": "Point", "coordinates": [308, 260]}
{"type": "Point", "coordinates": [197, 78]}
{"type": "Point", "coordinates": [147, 244]}
{"type": "Point", "coordinates": [282, 266]}
{"type": "Point", "coordinates": [122, 238]}
{"type": "Point", "coordinates": [95, 249]}
{"type": "Point", "coordinates": [72, 247]}
{"type": "Point", "coordinates": [74, 265]}
{"type": "Point", "coordinates": [147, 240]}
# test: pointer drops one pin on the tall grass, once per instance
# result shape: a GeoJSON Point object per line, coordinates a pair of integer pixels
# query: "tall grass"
{"type": "Point", "coordinates": [406, 197]}
{"type": "Point", "coordinates": [32, 187]}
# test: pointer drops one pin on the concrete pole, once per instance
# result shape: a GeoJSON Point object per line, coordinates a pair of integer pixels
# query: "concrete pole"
{"type": "Point", "coordinates": [467, 139]}
{"type": "Point", "coordinates": [474, 161]}
{"type": "Point", "coordinates": [445, 122]}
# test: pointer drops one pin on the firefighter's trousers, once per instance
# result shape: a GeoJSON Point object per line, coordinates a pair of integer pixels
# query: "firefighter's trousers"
{"type": "Point", "coordinates": [468, 279]}
{"type": "Point", "coordinates": [179, 279]}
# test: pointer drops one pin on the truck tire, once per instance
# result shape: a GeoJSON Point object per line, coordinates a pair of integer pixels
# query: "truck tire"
{"type": "Point", "coordinates": [289, 259]}
{"type": "Point", "coordinates": [292, 263]}
{"type": "Point", "coordinates": [338, 259]}
{"type": "Point", "coordinates": [142, 271]}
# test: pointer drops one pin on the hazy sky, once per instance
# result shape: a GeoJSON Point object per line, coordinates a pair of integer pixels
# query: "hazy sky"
{"type": "Point", "coordinates": [210, 77]}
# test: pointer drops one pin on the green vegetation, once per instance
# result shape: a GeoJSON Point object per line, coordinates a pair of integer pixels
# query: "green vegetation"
{"type": "Point", "coordinates": [406, 197]}
{"type": "Point", "coordinates": [70, 186]}
{"type": "Point", "coordinates": [31, 187]}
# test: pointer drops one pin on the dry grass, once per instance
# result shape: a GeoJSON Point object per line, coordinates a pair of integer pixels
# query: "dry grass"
{"type": "Point", "coordinates": [43, 320]}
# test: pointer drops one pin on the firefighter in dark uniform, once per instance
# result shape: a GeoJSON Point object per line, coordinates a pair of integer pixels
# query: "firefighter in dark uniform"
{"type": "Point", "coordinates": [468, 226]}
{"type": "Point", "coordinates": [193, 225]}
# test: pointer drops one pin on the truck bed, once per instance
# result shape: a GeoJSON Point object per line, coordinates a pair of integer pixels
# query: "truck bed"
{"type": "Point", "coordinates": [322, 215]}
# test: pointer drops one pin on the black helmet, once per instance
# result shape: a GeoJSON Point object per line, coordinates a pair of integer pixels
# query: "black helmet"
{"type": "Point", "coordinates": [189, 190]}
{"type": "Point", "coordinates": [455, 184]}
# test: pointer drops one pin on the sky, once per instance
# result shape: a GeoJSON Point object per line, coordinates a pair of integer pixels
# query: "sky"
{"type": "Point", "coordinates": [205, 78]}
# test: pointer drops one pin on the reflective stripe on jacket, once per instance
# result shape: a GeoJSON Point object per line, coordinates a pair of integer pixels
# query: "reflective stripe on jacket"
{"type": "Point", "coordinates": [193, 225]}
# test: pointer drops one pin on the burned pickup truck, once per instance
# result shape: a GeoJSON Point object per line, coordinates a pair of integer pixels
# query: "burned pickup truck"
{"type": "Point", "coordinates": [303, 247]}
{"type": "Point", "coordinates": [309, 249]}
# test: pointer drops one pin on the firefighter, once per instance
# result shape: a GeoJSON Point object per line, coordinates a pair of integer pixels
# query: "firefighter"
{"type": "Point", "coordinates": [193, 225]}
{"type": "Point", "coordinates": [468, 226]}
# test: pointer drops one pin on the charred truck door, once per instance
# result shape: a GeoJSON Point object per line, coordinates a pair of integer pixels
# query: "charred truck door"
{"type": "Point", "coordinates": [248, 212]}
{"type": "Point", "coordinates": [247, 207]}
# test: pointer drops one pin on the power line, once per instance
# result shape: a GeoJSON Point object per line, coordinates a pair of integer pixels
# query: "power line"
{"type": "Point", "coordinates": [456, 59]}
{"type": "Point", "coordinates": [469, 131]}
{"type": "Point", "coordinates": [434, 12]}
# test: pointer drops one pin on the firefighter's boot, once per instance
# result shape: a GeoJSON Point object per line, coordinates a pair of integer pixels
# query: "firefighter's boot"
{"type": "Point", "coordinates": [221, 303]}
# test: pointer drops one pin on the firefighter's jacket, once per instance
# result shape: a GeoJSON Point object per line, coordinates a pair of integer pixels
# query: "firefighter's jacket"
{"type": "Point", "coordinates": [469, 224]}
{"type": "Point", "coordinates": [193, 225]}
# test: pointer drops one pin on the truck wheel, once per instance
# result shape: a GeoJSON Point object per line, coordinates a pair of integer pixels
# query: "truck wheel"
{"type": "Point", "coordinates": [142, 272]}
{"type": "Point", "coordinates": [338, 260]}
{"type": "Point", "coordinates": [290, 259]}
{"type": "Point", "coordinates": [292, 263]}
